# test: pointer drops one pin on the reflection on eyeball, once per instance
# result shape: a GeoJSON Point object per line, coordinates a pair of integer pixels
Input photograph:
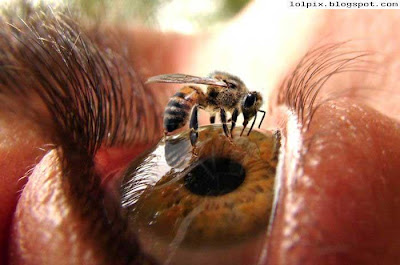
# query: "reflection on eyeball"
{"type": "Point", "coordinates": [219, 198]}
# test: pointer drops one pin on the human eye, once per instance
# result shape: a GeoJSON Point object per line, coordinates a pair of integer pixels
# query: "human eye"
{"type": "Point", "coordinates": [326, 191]}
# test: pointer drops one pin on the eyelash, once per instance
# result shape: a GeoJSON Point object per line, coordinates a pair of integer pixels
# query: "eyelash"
{"type": "Point", "coordinates": [301, 90]}
{"type": "Point", "coordinates": [92, 97]}
{"type": "Point", "coordinates": [89, 104]}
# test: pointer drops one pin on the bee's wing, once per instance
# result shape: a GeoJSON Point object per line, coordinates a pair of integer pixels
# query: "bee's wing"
{"type": "Point", "coordinates": [185, 79]}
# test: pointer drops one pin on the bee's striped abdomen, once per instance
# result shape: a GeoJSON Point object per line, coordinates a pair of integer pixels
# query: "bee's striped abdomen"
{"type": "Point", "coordinates": [179, 106]}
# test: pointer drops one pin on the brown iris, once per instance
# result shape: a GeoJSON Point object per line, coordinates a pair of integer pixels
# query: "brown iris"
{"type": "Point", "coordinates": [219, 194]}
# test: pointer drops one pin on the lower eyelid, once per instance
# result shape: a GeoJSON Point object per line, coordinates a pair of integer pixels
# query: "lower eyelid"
{"type": "Point", "coordinates": [341, 202]}
{"type": "Point", "coordinates": [50, 214]}
{"type": "Point", "coordinates": [19, 152]}
{"type": "Point", "coordinates": [67, 219]}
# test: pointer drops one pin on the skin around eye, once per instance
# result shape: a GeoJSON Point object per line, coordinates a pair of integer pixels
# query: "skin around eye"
{"type": "Point", "coordinates": [196, 209]}
{"type": "Point", "coordinates": [365, 228]}
{"type": "Point", "coordinates": [19, 149]}
{"type": "Point", "coordinates": [339, 198]}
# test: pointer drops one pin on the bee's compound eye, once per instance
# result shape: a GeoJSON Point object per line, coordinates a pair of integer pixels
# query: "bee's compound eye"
{"type": "Point", "coordinates": [219, 199]}
{"type": "Point", "coordinates": [250, 100]}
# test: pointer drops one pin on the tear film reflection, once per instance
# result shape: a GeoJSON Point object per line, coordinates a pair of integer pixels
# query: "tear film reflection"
{"type": "Point", "coordinates": [184, 205]}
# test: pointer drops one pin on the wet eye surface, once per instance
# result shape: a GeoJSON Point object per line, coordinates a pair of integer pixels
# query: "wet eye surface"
{"type": "Point", "coordinates": [183, 204]}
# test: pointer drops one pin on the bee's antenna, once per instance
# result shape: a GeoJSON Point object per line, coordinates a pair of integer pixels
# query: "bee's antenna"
{"type": "Point", "coordinates": [259, 126]}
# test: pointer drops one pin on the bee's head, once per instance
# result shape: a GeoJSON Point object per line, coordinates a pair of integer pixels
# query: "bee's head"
{"type": "Point", "coordinates": [232, 81]}
{"type": "Point", "coordinates": [251, 103]}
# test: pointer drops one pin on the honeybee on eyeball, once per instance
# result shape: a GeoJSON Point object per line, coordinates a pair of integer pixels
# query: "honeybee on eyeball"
{"type": "Point", "coordinates": [225, 93]}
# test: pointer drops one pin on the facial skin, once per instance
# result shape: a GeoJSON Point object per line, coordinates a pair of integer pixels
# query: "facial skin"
{"type": "Point", "coordinates": [341, 204]}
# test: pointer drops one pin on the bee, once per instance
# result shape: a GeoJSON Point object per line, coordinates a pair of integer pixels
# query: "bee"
{"type": "Point", "coordinates": [225, 93]}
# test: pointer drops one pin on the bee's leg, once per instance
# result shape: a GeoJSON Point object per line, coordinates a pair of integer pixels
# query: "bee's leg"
{"type": "Point", "coordinates": [245, 122]}
{"type": "Point", "coordinates": [262, 119]}
{"type": "Point", "coordinates": [212, 118]}
{"type": "Point", "coordinates": [252, 125]}
{"type": "Point", "coordinates": [223, 120]}
{"type": "Point", "coordinates": [194, 125]}
{"type": "Point", "coordinates": [235, 115]}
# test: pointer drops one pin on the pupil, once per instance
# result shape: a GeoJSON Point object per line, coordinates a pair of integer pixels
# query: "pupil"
{"type": "Point", "coordinates": [215, 176]}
